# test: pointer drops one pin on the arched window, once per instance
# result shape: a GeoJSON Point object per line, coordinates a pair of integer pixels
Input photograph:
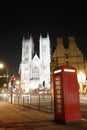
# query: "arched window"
{"type": "Point", "coordinates": [27, 50]}
{"type": "Point", "coordinates": [35, 73]}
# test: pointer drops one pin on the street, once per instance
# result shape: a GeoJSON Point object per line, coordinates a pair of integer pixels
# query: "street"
{"type": "Point", "coordinates": [19, 117]}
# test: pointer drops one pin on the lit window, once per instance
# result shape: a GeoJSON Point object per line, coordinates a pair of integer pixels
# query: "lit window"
{"type": "Point", "coordinates": [35, 73]}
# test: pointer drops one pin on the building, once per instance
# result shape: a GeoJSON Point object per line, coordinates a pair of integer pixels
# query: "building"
{"type": "Point", "coordinates": [70, 55]}
{"type": "Point", "coordinates": [34, 70]}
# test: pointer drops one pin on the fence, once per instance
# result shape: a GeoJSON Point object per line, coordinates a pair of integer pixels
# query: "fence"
{"type": "Point", "coordinates": [38, 101]}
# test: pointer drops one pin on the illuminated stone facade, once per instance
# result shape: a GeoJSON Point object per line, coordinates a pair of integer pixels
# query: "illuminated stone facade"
{"type": "Point", "coordinates": [34, 70]}
{"type": "Point", "coordinates": [70, 55]}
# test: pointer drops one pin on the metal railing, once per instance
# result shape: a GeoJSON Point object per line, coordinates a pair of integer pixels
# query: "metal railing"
{"type": "Point", "coordinates": [38, 101]}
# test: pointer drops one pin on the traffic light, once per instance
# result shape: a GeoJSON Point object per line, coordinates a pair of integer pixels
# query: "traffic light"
{"type": "Point", "coordinates": [13, 80]}
{"type": "Point", "coordinates": [43, 83]}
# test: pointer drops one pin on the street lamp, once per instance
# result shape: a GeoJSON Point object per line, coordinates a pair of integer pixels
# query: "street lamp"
{"type": "Point", "coordinates": [12, 86]}
{"type": "Point", "coordinates": [81, 80]}
{"type": "Point", "coordinates": [1, 65]}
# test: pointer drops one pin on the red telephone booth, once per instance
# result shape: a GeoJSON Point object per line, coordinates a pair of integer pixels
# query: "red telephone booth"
{"type": "Point", "coordinates": [66, 95]}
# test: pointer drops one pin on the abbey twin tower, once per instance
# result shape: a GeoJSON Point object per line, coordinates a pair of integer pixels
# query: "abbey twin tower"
{"type": "Point", "coordinates": [34, 70]}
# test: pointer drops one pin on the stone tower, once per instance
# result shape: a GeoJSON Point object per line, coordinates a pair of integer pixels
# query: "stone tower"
{"type": "Point", "coordinates": [34, 70]}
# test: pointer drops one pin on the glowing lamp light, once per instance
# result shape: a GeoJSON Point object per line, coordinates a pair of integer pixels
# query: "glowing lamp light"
{"type": "Point", "coordinates": [1, 65]}
{"type": "Point", "coordinates": [81, 77]}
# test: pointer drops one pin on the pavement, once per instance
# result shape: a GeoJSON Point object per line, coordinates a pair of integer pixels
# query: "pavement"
{"type": "Point", "coordinates": [17, 117]}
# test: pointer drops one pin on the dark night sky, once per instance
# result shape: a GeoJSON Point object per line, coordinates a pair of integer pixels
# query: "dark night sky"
{"type": "Point", "coordinates": [58, 19]}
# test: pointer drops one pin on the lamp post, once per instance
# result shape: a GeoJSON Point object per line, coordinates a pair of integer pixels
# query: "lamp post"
{"type": "Point", "coordinates": [12, 85]}
{"type": "Point", "coordinates": [83, 81]}
{"type": "Point", "coordinates": [1, 66]}
{"type": "Point", "coordinates": [4, 75]}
